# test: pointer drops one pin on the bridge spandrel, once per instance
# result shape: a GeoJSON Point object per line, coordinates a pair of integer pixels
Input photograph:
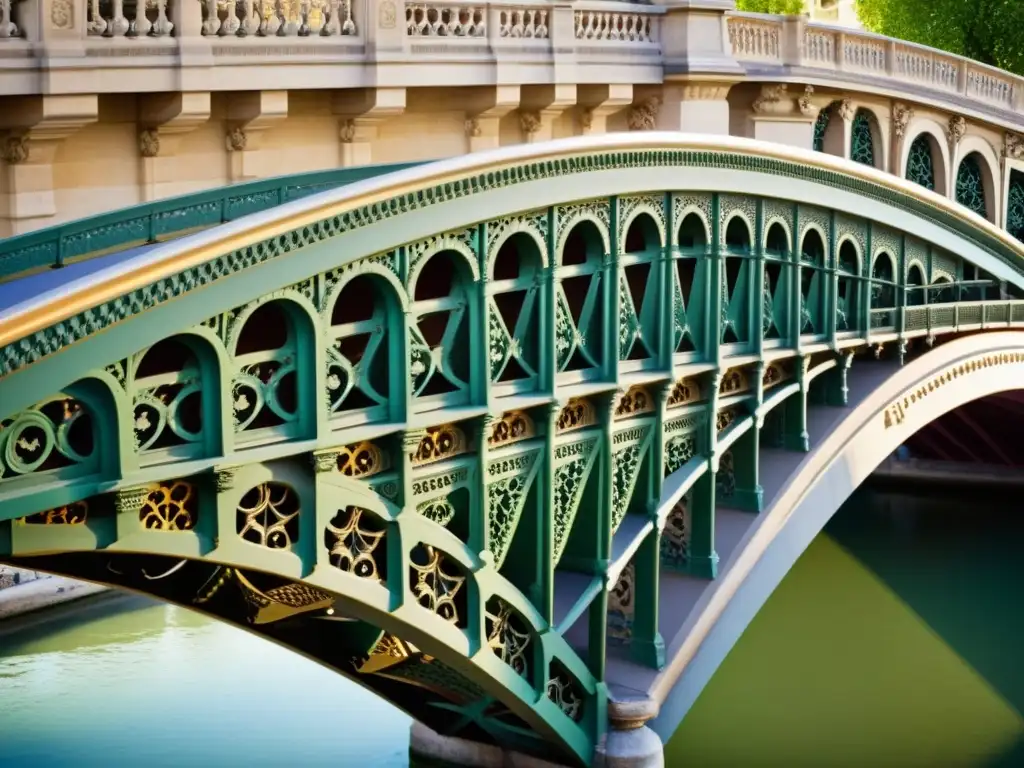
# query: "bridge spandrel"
{"type": "Point", "coordinates": [486, 467]}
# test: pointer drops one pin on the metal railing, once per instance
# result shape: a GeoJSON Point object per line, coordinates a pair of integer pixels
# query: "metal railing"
{"type": "Point", "coordinates": [165, 219]}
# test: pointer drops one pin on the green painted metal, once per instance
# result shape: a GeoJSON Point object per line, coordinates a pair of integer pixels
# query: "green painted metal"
{"type": "Point", "coordinates": [165, 219]}
{"type": "Point", "coordinates": [1015, 206]}
{"type": "Point", "coordinates": [466, 443]}
{"type": "Point", "coordinates": [970, 189]}
{"type": "Point", "coordinates": [920, 166]}
{"type": "Point", "coordinates": [862, 148]}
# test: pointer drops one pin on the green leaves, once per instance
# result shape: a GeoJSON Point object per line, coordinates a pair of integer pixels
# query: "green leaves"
{"type": "Point", "coordinates": [780, 7]}
{"type": "Point", "coordinates": [988, 31]}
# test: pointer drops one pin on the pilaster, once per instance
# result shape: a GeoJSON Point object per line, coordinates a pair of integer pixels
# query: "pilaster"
{"type": "Point", "coordinates": [249, 116]}
{"type": "Point", "coordinates": [164, 119]}
{"type": "Point", "coordinates": [485, 107]}
{"type": "Point", "coordinates": [599, 102]}
{"type": "Point", "coordinates": [795, 436]}
{"type": "Point", "coordinates": [541, 106]}
{"type": "Point", "coordinates": [32, 131]}
{"type": "Point", "coordinates": [360, 114]}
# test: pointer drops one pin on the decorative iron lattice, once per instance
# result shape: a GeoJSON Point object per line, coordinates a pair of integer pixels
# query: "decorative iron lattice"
{"type": "Point", "coordinates": [820, 126]}
{"type": "Point", "coordinates": [1015, 206]}
{"type": "Point", "coordinates": [970, 190]}
{"type": "Point", "coordinates": [862, 149]}
{"type": "Point", "coordinates": [920, 167]}
{"type": "Point", "coordinates": [352, 538]}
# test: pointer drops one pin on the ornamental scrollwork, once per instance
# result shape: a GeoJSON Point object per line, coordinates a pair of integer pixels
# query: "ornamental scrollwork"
{"type": "Point", "coordinates": [362, 460]}
{"type": "Point", "coordinates": [678, 451]}
{"type": "Point", "coordinates": [167, 409]}
{"type": "Point", "coordinates": [576, 414]}
{"type": "Point", "coordinates": [684, 391]}
{"type": "Point", "coordinates": [440, 511]}
{"type": "Point", "coordinates": [725, 419]}
{"type": "Point", "coordinates": [353, 538]}
{"type": "Point", "coordinates": [565, 692]}
{"type": "Point", "coordinates": [634, 401]}
{"type": "Point", "coordinates": [50, 435]}
{"type": "Point", "coordinates": [436, 582]}
{"type": "Point", "coordinates": [173, 506]}
{"type": "Point", "coordinates": [69, 514]}
{"type": "Point", "coordinates": [268, 515]}
{"type": "Point", "coordinates": [734, 382]}
{"type": "Point", "coordinates": [511, 428]}
{"type": "Point", "coordinates": [675, 538]}
{"type": "Point", "coordinates": [621, 604]}
{"type": "Point", "coordinates": [508, 636]}
{"type": "Point", "coordinates": [438, 444]}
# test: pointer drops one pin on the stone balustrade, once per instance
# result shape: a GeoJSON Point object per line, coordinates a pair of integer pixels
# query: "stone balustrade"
{"type": "Point", "coordinates": [775, 44]}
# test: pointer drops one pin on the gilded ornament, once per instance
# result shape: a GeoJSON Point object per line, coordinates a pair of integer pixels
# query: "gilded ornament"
{"type": "Point", "coordinates": [439, 443]}
{"type": "Point", "coordinates": [686, 390]}
{"type": "Point", "coordinates": [170, 507]}
{"type": "Point", "coordinates": [268, 515]}
{"type": "Point", "coordinates": [436, 584]}
{"type": "Point", "coordinates": [69, 514]}
{"type": "Point", "coordinates": [353, 537]}
{"type": "Point", "coordinates": [576, 414]}
{"type": "Point", "coordinates": [362, 460]}
{"type": "Point", "coordinates": [634, 401]}
{"type": "Point", "coordinates": [511, 428]}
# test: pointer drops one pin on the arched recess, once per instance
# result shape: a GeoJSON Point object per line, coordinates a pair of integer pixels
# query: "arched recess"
{"type": "Point", "coordinates": [774, 293]}
{"type": "Point", "coordinates": [177, 400]}
{"type": "Point", "coordinates": [690, 271]}
{"type": "Point", "coordinates": [848, 283]}
{"type": "Point", "coordinates": [736, 280]}
{"type": "Point", "coordinates": [579, 302]}
{"type": "Point", "coordinates": [273, 391]}
{"type": "Point", "coordinates": [441, 354]}
{"type": "Point", "coordinates": [975, 183]}
{"type": "Point", "coordinates": [639, 288]}
{"type": "Point", "coordinates": [514, 314]}
{"type": "Point", "coordinates": [77, 434]}
{"type": "Point", "coordinates": [364, 319]}
{"type": "Point", "coordinates": [926, 139]}
{"type": "Point", "coordinates": [867, 145]}
{"type": "Point", "coordinates": [813, 279]}
{"type": "Point", "coordinates": [883, 290]}
{"type": "Point", "coordinates": [941, 291]}
{"type": "Point", "coordinates": [984, 364]}
{"type": "Point", "coordinates": [829, 131]}
{"type": "Point", "coordinates": [916, 292]}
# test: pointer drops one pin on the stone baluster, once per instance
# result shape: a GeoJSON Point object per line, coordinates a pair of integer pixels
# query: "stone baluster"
{"type": "Point", "coordinates": [140, 25]}
{"type": "Point", "coordinates": [231, 23]}
{"type": "Point", "coordinates": [211, 24]}
{"type": "Point", "coordinates": [119, 25]}
{"type": "Point", "coordinates": [162, 27]}
{"type": "Point", "coordinates": [7, 26]}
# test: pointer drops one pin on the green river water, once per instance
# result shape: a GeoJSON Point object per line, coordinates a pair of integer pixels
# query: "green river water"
{"type": "Point", "coordinates": [895, 641]}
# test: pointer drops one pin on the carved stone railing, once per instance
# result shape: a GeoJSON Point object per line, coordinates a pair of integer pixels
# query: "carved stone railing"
{"type": "Point", "coordinates": [790, 41]}
{"type": "Point", "coordinates": [127, 18]}
{"type": "Point", "coordinates": [635, 25]}
{"type": "Point", "coordinates": [277, 18]}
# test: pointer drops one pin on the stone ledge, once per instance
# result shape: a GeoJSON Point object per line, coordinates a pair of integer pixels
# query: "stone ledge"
{"type": "Point", "coordinates": [427, 747]}
{"type": "Point", "coordinates": [43, 593]}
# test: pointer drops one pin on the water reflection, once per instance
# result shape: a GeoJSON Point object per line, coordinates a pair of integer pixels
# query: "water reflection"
{"type": "Point", "coordinates": [124, 682]}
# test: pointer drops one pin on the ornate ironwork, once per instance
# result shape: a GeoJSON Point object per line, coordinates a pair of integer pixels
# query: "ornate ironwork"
{"type": "Point", "coordinates": [170, 507]}
{"type": "Point", "coordinates": [920, 166]}
{"type": "Point", "coordinates": [362, 460]}
{"type": "Point", "coordinates": [352, 539]}
{"type": "Point", "coordinates": [69, 514]}
{"type": "Point", "coordinates": [576, 414]}
{"type": "Point", "coordinates": [436, 583]}
{"type": "Point", "coordinates": [440, 443]}
{"type": "Point", "coordinates": [970, 189]}
{"type": "Point", "coordinates": [862, 148]}
{"type": "Point", "coordinates": [268, 515]}
{"type": "Point", "coordinates": [508, 636]}
{"type": "Point", "coordinates": [511, 428]}
{"type": "Point", "coordinates": [564, 691]}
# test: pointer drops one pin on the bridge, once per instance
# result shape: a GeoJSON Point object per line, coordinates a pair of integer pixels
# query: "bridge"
{"type": "Point", "coordinates": [519, 440]}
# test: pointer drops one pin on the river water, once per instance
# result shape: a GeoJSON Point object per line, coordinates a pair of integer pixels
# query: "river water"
{"type": "Point", "coordinates": [895, 641]}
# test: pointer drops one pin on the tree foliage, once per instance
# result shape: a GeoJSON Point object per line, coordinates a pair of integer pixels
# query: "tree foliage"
{"type": "Point", "coordinates": [989, 31]}
{"type": "Point", "coordinates": [783, 7]}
